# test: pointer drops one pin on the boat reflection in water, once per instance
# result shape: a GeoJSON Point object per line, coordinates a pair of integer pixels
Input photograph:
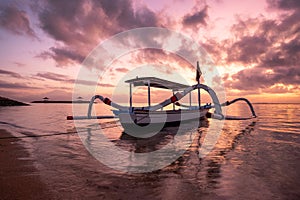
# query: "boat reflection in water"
{"type": "Point", "coordinates": [160, 139]}
{"type": "Point", "coordinates": [160, 149]}
{"type": "Point", "coordinates": [187, 171]}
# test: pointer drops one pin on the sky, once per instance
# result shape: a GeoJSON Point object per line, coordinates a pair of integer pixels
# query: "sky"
{"type": "Point", "coordinates": [254, 45]}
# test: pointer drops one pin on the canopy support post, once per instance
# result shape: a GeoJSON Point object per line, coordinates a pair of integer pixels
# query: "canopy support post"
{"type": "Point", "coordinates": [174, 102]}
{"type": "Point", "coordinates": [130, 96]}
{"type": "Point", "coordinates": [190, 96]}
{"type": "Point", "coordinates": [149, 98]}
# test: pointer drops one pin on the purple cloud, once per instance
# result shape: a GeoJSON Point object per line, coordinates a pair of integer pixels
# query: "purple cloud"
{"type": "Point", "coordinates": [54, 76]}
{"type": "Point", "coordinates": [62, 56]}
{"type": "Point", "coordinates": [80, 25]}
{"type": "Point", "coordinates": [15, 21]}
{"type": "Point", "coordinates": [10, 73]}
{"type": "Point", "coordinates": [254, 78]}
{"type": "Point", "coordinates": [284, 4]}
{"type": "Point", "coordinates": [271, 47]}
{"type": "Point", "coordinates": [69, 80]}
{"type": "Point", "coordinates": [199, 17]}
{"type": "Point", "coordinates": [8, 85]}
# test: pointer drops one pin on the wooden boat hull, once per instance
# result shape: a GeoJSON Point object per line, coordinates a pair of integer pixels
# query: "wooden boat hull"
{"type": "Point", "coordinates": [154, 121]}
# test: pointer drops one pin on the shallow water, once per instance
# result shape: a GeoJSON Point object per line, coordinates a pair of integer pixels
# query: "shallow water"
{"type": "Point", "coordinates": [251, 157]}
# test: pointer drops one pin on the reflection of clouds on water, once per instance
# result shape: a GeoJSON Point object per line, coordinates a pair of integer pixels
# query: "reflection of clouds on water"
{"type": "Point", "coordinates": [249, 154]}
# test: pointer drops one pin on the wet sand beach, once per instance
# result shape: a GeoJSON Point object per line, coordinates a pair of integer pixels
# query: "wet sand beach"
{"type": "Point", "coordinates": [80, 176]}
{"type": "Point", "coordinates": [19, 179]}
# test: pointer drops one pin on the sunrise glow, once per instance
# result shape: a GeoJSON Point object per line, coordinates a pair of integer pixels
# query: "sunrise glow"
{"type": "Point", "coordinates": [254, 45]}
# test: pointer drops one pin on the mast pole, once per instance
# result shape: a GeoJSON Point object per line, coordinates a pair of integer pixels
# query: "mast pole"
{"type": "Point", "coordinates": [173, 103]}
{"type": "Point", "coordinates": [199, 97]}
{"type": "Point", "coordinates": [190, 97]}
{"type": "Point", "coordinates": [198, 75]}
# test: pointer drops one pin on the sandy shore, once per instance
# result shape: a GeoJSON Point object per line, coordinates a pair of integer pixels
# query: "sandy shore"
{"type": "Point", "coordinates": [19, 179]}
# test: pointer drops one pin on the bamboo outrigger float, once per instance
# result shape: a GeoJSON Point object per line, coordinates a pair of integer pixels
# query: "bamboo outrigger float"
{"type": "Point", "coordinates": [131, 118]}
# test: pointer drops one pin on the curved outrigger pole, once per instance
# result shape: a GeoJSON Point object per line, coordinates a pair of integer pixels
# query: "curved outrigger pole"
{"type": "Point", "coordinates": [176, 97]}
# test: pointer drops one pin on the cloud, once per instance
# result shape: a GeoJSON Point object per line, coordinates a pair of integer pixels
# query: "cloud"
{"type": "Point", "coordinates": [248, 49]}
{"type": "Point", "coordinates": [263, 41]}
{"type": "Point", "coordinates": [8, 85]}
{"type": "Point", "coordinates": [69, 80]}
{"type": "Point", "coordinates": [281, 89]}
{"type": "Point", "coordinates": [163, 61]}
{"type": "Point", "coordinates": [270, 47]}
{"type": "Point", "coordinates": [284, 4]}
{"type": "Point", "coordinates": [54, 76]}
{"type": "Point", "coordinates": [15, 21]}
{"type": "Point", "coordinates": [195, 19]}
{"type": "Point", "coordinates": [80, 25]}
{"type": "Point", "coordinates": [10, 73]}
{"type": "Point", "coordinates": [62, 56]}
{"type": "Point", "coordinates": [264, 78]}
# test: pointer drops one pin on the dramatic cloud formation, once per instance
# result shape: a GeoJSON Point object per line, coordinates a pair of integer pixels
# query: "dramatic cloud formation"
{"type": "Point", "coordinates": [256, 49]}
{"type": "Point", "coordinates": [80, 25]}
{"type": "Point", "coordinates": [261, 78]}
{"type": "Point", "coordinates": [272, 47]}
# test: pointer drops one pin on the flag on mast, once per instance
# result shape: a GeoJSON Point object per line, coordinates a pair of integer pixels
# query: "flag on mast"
{"type": "Point", "coordinates": [198, 73]}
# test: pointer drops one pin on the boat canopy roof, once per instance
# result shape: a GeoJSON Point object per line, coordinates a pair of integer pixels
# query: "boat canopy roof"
{"type": "Point", "coordinates": [157, 83]}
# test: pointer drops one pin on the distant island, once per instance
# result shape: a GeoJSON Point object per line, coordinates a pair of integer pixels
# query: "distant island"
{"type": "Point", "coordinates": [9, 102]}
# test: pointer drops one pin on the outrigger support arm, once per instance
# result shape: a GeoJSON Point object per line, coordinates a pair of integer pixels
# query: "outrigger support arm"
{"type": "Point", "coordinates": [227, 103]}
{"type": "Point", "coordinates": [107, 101]}
{"type": "Point", "coordinates": [173, 99]}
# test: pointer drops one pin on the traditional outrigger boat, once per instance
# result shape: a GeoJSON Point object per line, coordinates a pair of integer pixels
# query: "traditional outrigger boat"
{"type": "Point", "coordinates": [154, 116]}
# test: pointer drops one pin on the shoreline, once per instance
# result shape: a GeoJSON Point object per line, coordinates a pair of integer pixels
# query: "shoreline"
{"type": "Point", "coordinates": [19, 179]}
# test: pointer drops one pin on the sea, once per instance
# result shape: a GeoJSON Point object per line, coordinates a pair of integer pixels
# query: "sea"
{"type": "Point", "coordinates": [257, 158]}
